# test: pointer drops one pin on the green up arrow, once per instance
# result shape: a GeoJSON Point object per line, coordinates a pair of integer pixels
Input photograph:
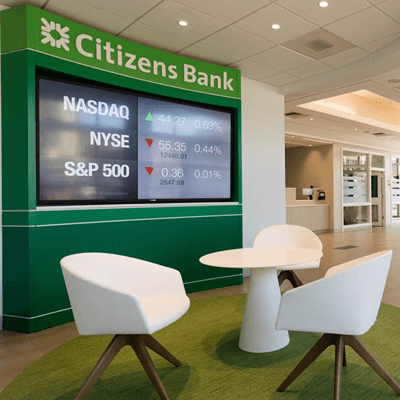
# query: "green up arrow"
{"type": "Point", "coordinates": [149, 117]}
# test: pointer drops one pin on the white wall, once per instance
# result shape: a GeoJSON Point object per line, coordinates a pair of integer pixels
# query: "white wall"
{"type": "Point", "coordinates": [263, 158]}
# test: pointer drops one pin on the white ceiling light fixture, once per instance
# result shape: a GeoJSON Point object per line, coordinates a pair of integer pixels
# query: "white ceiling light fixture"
{"type": "Point", "coordinates": [275, 26]}
{"type": "Point", "coordinates": [323, 4]}
{"type": "Point", "coordinates": [182, 23]}
{"type": "Point", "coordinates": [311, 119]}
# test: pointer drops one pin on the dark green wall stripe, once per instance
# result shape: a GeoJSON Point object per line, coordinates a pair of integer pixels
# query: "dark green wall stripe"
{"type": "Point", "coordinates": [47, 217]}
{"type": "Point", "coordinates": [39, 316]}
{"type": "Point", "coordinates": [122, 220]}
{"type": "Point", "coordinates": [210, 279]}
{"type": "Point", "coordinates": [137, 220]}
{"type": "Point", "coordinates": [37, 324]}
{"type": "Point", "coordinates": [69, 308]}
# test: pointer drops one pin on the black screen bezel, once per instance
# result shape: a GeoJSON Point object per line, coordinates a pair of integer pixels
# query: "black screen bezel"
{"type": "Point", "coordinates": [96, 85]}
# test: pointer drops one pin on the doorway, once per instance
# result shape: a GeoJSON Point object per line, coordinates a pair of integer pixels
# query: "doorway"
{"type": "Point", "coordinates": [377, 198]}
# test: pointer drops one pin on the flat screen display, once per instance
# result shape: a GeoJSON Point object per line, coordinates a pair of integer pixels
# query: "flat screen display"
{"type": "Point", "coordinates": [98, 145]}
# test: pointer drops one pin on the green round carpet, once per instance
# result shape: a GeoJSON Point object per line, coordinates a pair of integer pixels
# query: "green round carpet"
{"type": "Point", "coordinates": [214, 368]}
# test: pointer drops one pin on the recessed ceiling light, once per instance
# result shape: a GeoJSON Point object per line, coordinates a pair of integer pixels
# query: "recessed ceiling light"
{"type": "Point", "coordinates": [275, 26]}
{"type": "Point", "coordinates": [311, 119]}
{"type": "Point", "coordinates": [310, 145]}
{"type": "Point", "coordinates": [182, 23]}
{"type": "Point", "coordinates": [323, 4]}
{"type": "Point", "coordinates": [356, 129]}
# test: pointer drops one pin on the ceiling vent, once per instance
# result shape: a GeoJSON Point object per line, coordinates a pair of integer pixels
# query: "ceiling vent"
{"type": "Point", "coordinates": [381, 134]}
{"type": "Point", "coordinates": [295, 115]}
{"type": "Point", "coordinates": [318, 45]}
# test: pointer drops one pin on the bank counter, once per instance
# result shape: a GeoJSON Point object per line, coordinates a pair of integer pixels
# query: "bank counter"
{"type": "Point", "coordinates": [312, 214]}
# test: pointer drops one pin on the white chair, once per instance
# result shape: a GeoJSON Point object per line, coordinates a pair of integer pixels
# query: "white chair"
{"type": "Point", "coordinates": [292, 236]}
{"type": "Point", "coordinates": [131, 298]}
{"type": "Point", "coordinates": [342, 305]}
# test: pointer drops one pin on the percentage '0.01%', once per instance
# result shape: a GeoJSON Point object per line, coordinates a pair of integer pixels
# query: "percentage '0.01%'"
{"type": "Point", "coordinates": [207, 174]}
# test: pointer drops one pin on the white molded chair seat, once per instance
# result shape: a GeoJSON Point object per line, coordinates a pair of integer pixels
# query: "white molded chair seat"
{"type": "Point", "coordinates": [131, 298]}
{"type": "Point", "coordinates": [342, 305]}
{"type": "Point", "coordinates": [290, 236]}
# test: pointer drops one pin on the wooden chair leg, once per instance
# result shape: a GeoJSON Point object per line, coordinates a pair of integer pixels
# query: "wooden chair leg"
{"type": "Point", "coordinates": [372, 361]}
{"type": "Point", "coordinates": [325, 341]}
{"type": "Point", "coordinates": [344, 356]}
{"type": "Point", "coordinates": [296, 279]}
{"type": "Point", "coordinates": [138, 344]}
{"type": "Point", "coordinates": [291, 276]}
{"type": "Point", "coordinates": [339, 350]}
{"type": "Point", "coordinates": [111, 351]}
{"type": "Point", "coordinates": [282, 277]}
{"type": "Point", "coordinates": [152, 344]}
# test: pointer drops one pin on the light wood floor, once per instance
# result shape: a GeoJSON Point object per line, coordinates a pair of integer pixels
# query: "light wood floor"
{"type": "Point", "coordinates": [18, 350]}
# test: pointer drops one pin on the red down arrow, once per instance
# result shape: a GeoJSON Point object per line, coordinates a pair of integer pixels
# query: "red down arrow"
{"type": "Point", "coordinates": [149, 170]}
{"type": "Point", "coordinates": [149, 142]}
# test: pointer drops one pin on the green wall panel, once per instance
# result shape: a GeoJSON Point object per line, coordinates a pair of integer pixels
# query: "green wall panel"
{"type": "Point", "coordinates": [14, 35]}
{"type": "Point", "coordinates": [38, 292]}
{"type": "Point", "coordinates": [19, 131]}
{"type": "Point", "coordinates": [174, 243]}
{"type": "Point", "coordinates": [35, 239]}
{"type": "Point", "coordinates": [18, 270]}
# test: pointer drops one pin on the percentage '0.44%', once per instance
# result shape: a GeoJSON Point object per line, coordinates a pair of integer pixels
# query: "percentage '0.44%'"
{"type": "Point", "coordinates": [207, 174]}
{"type": "Point", "coordinates": [208, 125]}
{"type": "Point", "coordinates": [208, 149]}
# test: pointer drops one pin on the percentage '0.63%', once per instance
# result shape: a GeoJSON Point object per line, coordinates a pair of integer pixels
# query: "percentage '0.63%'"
{"type": "Point", "coordinates": [207, 174]}
{"type": "Point", "coordinates": [208, 125]}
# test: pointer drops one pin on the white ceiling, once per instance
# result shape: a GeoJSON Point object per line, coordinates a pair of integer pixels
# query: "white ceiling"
{"type": "Point", "coordinates": [238, 34]}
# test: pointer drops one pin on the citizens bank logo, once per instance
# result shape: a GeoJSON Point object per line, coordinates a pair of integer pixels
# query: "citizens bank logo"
{"type": "Point", "coordinates": [102, 51]}
{"type": "Point", "coordinates": [54, 34]}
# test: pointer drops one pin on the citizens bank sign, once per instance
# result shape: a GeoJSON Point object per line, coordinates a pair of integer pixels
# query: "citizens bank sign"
{"type": "Point", "coordinates": [50, 34]}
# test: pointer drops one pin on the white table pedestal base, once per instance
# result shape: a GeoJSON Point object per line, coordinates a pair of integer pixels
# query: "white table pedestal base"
{"type": "Point", "coordinates": [258, 334]}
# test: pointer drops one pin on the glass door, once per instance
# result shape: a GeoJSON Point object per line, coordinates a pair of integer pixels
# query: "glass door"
{"type": "Point", "coordinates": [395, 189]}
{"type": "Point", "coordinates": [356, 205]}
{"type": "Point", "coordinates": [376, 198]}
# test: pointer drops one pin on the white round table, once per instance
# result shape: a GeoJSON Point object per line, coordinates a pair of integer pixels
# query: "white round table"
{"type": "Point", "coordinates": [258, 334]}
